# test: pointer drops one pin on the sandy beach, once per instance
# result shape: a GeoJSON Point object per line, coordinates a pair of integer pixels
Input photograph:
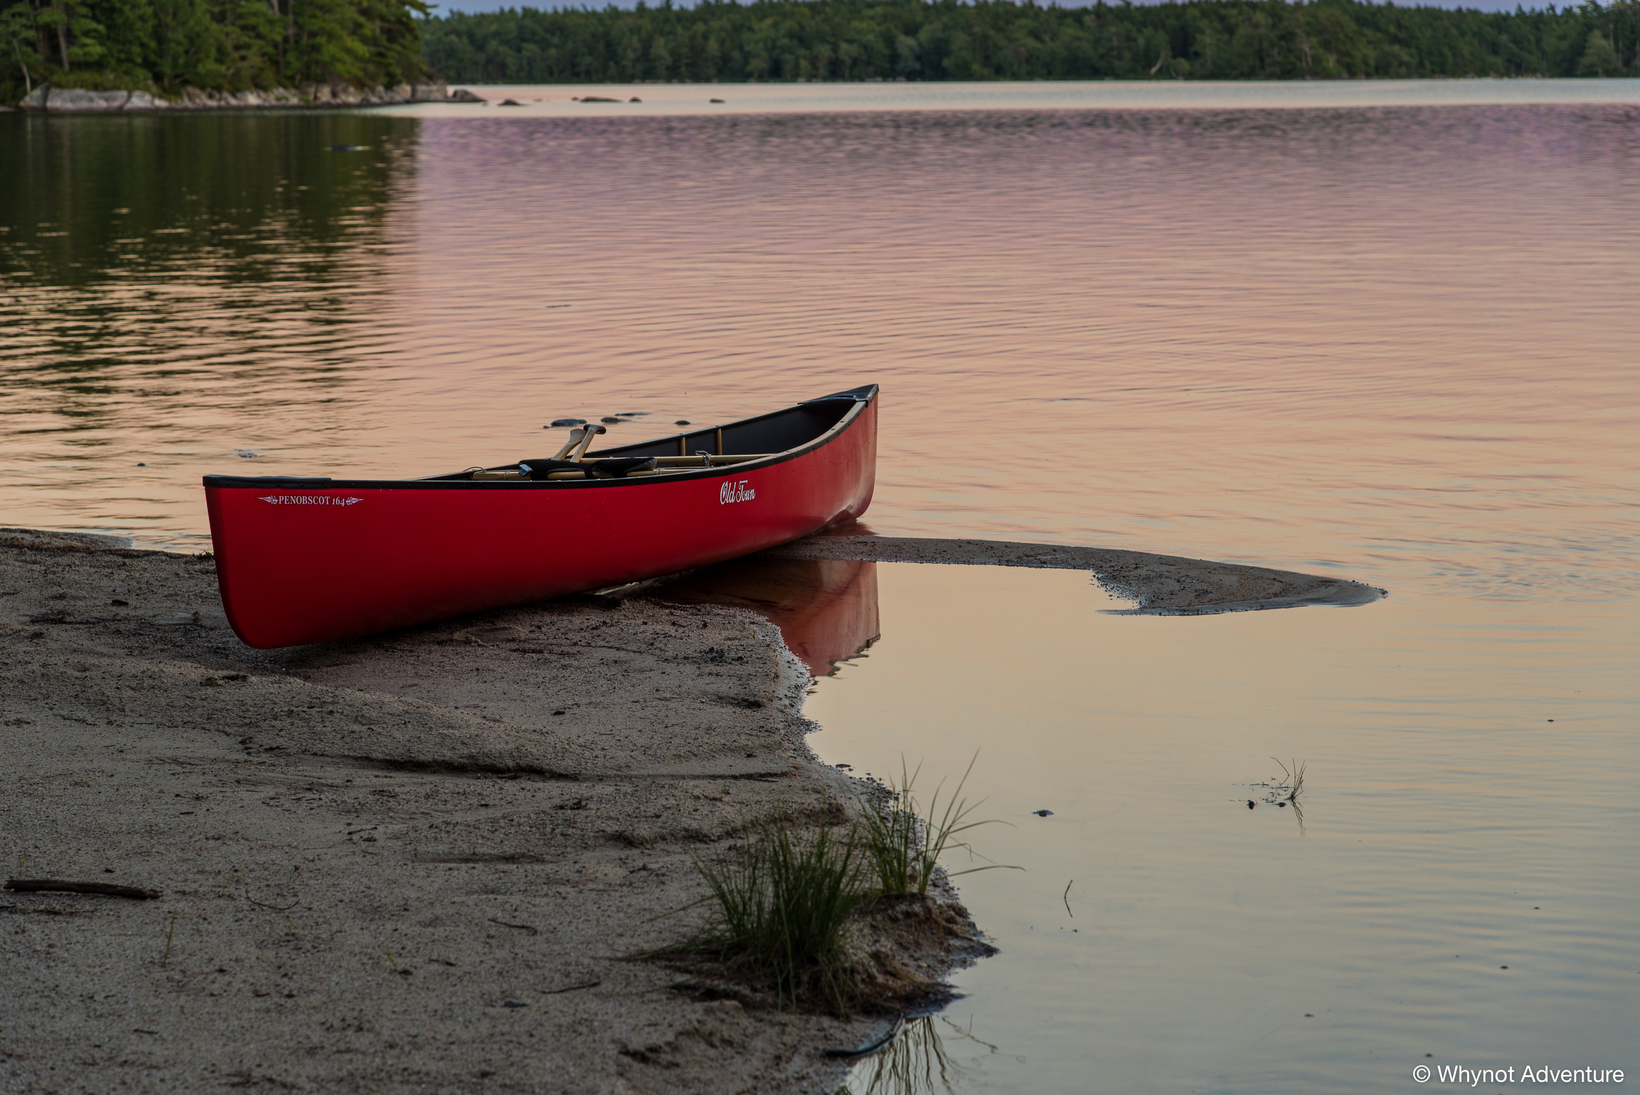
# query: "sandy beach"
{"type": "Point", "coordinates": [418, 862]}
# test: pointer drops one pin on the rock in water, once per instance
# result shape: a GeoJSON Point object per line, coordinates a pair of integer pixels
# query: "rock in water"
{"type": "Point", "coordinates": [76, 101]}
{"type": "Point", "coordinates": [566, 422]}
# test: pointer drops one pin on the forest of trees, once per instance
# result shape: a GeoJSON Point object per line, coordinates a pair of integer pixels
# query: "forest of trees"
{"type": "Point", "coordinates": [229, 45]}
{"type": "Point", "coordinates": [1003, 40]}
{"type": "Point", "coordinates": [239, 44]}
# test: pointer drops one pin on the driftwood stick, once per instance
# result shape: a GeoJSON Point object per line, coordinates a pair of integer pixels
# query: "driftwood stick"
{"type": "Point", "coordinates": [570, 988]}
{"type": "Point", "coordinates": [520, 927]}
{"type": "Point", "coordinates": [43, 885]}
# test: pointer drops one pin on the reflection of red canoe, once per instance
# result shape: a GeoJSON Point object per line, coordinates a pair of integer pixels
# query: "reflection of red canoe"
{"type": "Point", "coordinates": [826, 609]}
{"type": "Point", "coordinates": [308, 560]}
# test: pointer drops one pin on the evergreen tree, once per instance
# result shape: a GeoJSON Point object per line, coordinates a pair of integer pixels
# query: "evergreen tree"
{"type": "Point", "coordinates": [230, 45]}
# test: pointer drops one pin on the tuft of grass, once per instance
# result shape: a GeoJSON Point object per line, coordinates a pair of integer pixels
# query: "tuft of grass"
{"type": "Point", "coordinates": [1292, 782]}
{"type": "Point", "coordinates": [904, 843]}
{"type": "Point", "coordinates": [1292, 779]}
{"type": "Point", "coordinates": [780, 902]}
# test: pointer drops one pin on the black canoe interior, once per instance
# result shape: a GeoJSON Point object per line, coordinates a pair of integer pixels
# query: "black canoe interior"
{"type": "Point", "coordinates": [776, 432]}
{"type": "Point", "coordinates": [769, 433]}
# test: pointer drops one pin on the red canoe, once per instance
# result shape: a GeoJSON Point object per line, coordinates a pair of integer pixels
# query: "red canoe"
{"type": "Point", "coordinates": [310, 560]}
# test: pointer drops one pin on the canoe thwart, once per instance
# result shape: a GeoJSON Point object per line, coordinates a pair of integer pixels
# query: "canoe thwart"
{"type": "Point", "coordinates": [608, 467]}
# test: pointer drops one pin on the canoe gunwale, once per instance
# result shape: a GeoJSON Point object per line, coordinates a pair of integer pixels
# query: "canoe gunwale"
{"type": "Point", "coordinates": [852, 415]}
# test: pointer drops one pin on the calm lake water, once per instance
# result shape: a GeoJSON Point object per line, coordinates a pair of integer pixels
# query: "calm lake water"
{"type": "Point", "coordinates": [1461, 883]}
{"type": "Point", "coordinates": [1385, 331]}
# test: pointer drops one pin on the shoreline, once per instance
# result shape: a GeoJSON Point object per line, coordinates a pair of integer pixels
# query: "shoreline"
{"type": "Point", "coordinates": [679, 98]}
{"type": "Point", "coordinates": [411, 862]}
{"type": "Point", "coordinates": [46, 99]}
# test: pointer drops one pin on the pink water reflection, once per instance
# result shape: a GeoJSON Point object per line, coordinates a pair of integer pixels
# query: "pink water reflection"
{"type": "Point", "coordinates": [826, 609]}
{"type": "Point", "coordinates": [1390, 343]}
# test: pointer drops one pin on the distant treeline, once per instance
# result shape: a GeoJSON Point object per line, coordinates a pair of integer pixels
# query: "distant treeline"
{"type": "Point", "coordinates": [239, 44]}
{"type": "Point", "coordinates": [1001, 40]}
{"type": "Point", "coordinates": [230, 45]}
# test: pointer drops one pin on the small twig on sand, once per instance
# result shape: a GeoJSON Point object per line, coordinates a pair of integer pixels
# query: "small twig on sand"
{"type": "Point", "coordinates": [570, 988]}
{"type": "Point", "coordinates": [1066, 896]}
{"type": "Point", "coordinates": [44, 885]}
{"type": "Point", "coordinates": [520, 927]}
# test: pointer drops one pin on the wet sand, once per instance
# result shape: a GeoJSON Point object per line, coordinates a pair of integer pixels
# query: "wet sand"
{"type": "Point", "coordinates": [421, 861]}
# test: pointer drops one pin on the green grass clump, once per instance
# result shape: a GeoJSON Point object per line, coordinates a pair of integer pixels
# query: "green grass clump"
{"type": "Point", "coordinates": [781, 901]}
{"type": "Point", "coordinates": [904, 842]}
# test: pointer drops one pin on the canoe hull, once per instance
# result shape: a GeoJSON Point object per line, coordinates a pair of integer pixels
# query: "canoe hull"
{"type": "Point", "coordinates": [301, 562]}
